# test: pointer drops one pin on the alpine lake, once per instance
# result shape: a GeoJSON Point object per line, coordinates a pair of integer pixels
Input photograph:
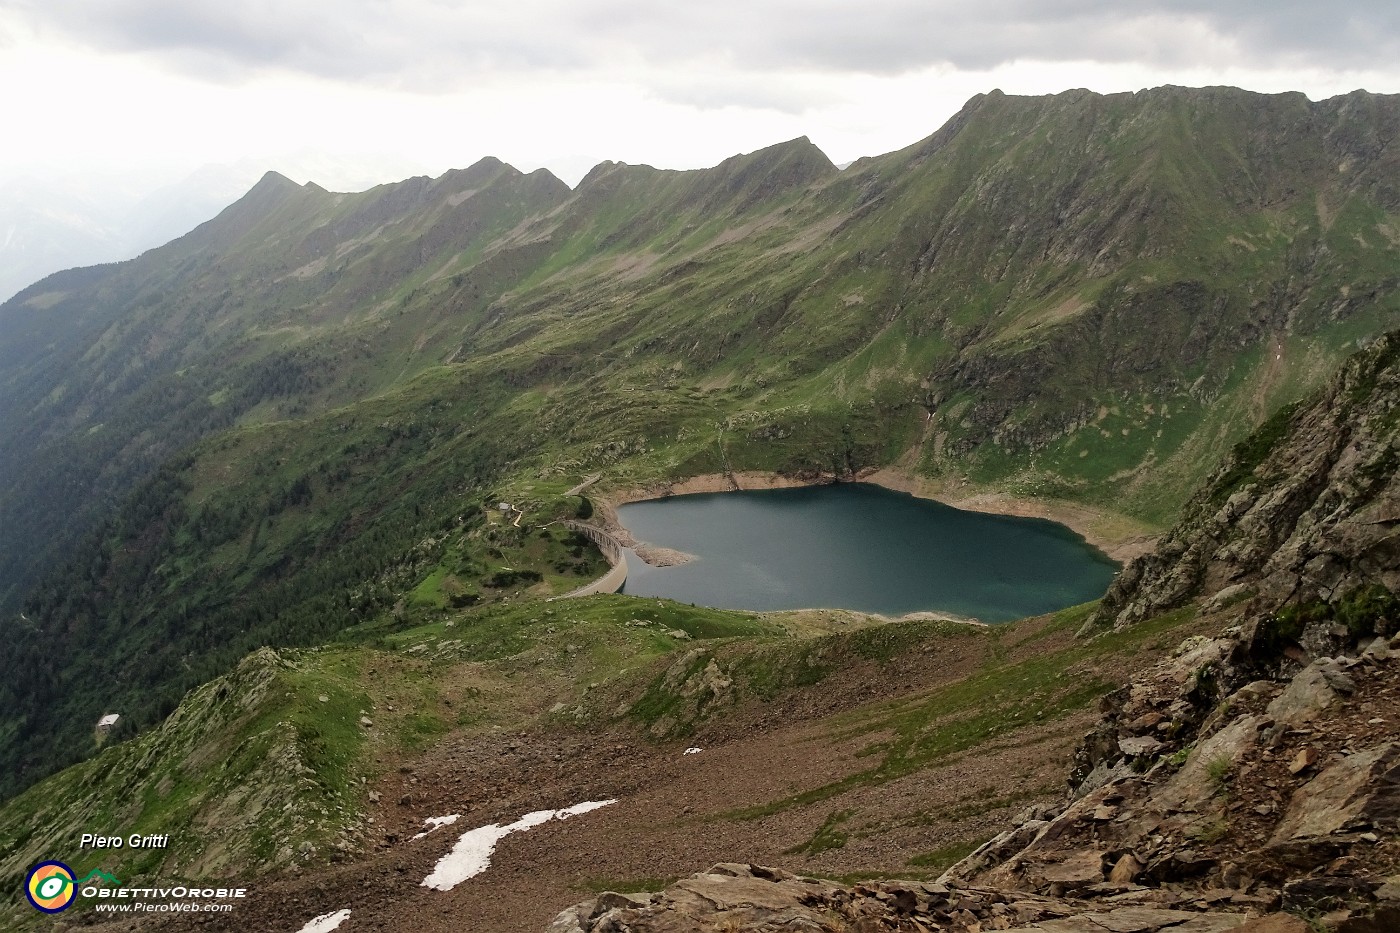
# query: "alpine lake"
{"type": "Point", "coordinates": [859, 546]}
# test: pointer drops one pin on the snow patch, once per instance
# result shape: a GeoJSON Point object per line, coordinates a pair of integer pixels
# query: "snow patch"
{"type": "Point", "coordinates": [437, 822]}
{"type": "Point", "coordinates": [472, 854]}
{"type": "Point", "coordinates": [326, 922]}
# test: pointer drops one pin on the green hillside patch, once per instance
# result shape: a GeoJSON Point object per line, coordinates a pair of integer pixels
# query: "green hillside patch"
{"type": "Point", "coordinates": [257, 769]}
{"type": "Point", "coordinates": [503, 631]}
{"type": "Point", "coordinates": [696, 686]}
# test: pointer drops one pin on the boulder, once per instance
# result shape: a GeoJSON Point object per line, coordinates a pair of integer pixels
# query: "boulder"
{"type": "Point", "coordinates": [1274, 923]}
{"type": "Point", "coordinates": [1139, 920]}
{"type": "Point", "coordinates": [1377, 650]}
{"type": "Point", "coordinates": [727, 892]}
{"type": "Point", "coordinates": [1135, 745]}
{"type": "Point", "coordinates": [1197, 783]}
{"type": "Point", "coordinates": [1074, 873]}
{"type": "Point", "coordinates": [612, 900]}
{"type": "Point", "coordinates": [1305, 759]}
{"type": "Point", "coordinates": [1126, 869]}
{"type": "Point", "coordinates": [1361, 791]}
{"type": "Point", "coordinates": [1312, 691]}
{"type": "Point", "coordinates": [572, 919]}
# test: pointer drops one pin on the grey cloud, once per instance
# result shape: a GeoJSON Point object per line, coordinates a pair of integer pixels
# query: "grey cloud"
{"type": "Point", "coordinates": [441, 43]}
{"type": "Point", "coordinates": [717, 90]}
{"type": "Point", "coordinates": [885, 36]}
{"type": "Point", "coordinates": [356, 39]}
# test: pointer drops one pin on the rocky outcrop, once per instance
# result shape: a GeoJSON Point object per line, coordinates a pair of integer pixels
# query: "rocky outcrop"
{"type": "Point", "coordinates": [1214, 778]}
{"type": "Point", "coordinates": [693, 686]}
{"type": "Point", "coordinates": [752, 899]}
{"type": "Point", "coordinates": [1307, 509]}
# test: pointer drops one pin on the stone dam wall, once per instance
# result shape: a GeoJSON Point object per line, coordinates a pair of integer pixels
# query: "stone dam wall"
{"type": "Point", "coordinates": [611, 581]}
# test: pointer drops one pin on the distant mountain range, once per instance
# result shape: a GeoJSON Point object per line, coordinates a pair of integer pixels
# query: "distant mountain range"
{"type": "Point", "coordinates": [54, 223]}
{"type": "Point", "coordinates": [46, 227]}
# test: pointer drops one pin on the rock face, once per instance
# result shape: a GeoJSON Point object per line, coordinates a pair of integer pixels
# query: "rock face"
{"type": "Point", "coordinates": [1259, 790]}
{"type": "Point", "coordinates": [752, 899]}
{"type": "Point", "coordinates": [1359, 792]}
{"type": "Point", "coordinates": [1306, 509]}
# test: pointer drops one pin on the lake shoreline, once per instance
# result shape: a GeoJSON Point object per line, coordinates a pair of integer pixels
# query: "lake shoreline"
{"type": "Point", "coordinates": [1119, 537]}
{"type": "Point", "coordinates": [845, 617]}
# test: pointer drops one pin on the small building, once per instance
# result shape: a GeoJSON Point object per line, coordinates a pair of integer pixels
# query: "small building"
{"type": "Point", "coordinates": [105, 724]}
{"type": "Point", "coordinates": [503, 506]}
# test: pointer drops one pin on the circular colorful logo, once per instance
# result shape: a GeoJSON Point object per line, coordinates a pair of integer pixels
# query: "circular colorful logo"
{"type": "Point", "coordinates": [50, 887]}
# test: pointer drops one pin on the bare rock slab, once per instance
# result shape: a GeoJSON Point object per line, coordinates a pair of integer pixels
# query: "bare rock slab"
{"type": "Point", "coordinates": [1361, 791]}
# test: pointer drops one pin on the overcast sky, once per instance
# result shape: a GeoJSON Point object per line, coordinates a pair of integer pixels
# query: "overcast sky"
{"type": "Point", "coordinates": [350, 92]}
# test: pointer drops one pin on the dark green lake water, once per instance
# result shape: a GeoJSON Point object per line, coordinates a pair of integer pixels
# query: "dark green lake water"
{"type": "Point", "coordinates": [859, 546]}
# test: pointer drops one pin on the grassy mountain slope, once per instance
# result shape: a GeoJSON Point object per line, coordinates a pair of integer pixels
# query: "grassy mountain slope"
{"type": "Point", "coordinates": [108, 372]}
{"type": "Point", "coordinates": [266, 767]}
{"type": "Point", "coordinates": [1042, 275]}
{"type": "Point", "coordinates": [290, 420]}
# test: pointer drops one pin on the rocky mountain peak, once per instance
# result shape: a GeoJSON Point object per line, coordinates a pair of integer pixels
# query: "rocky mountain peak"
{"type": "Point", "coordinates": [272, 181]}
